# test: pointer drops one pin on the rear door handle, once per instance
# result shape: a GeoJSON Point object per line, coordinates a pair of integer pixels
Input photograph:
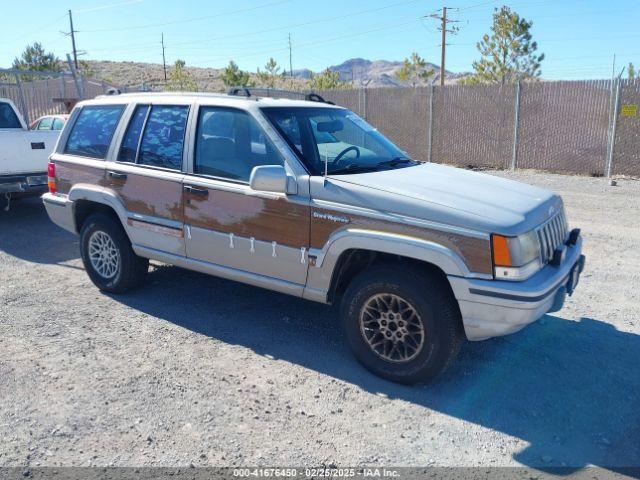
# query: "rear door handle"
{"type": "Point", "coordinates": [196, 191]}
{"type": "Point", "coordinates": [117, 175]}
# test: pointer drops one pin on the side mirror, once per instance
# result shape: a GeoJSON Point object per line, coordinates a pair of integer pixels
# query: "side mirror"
{"type": "Point", "coordinates": [272, 178]}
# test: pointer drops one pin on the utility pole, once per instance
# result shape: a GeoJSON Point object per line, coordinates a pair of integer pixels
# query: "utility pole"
{"type": "Point", "coordinates": [73, 40]}
{"type": "Point", "coordinates": [444, 30]}
{"type": "Point", "coordinates": [164, 62]}
{"type": "Point", "coordinates": [290, 58]}
{"type": "Point", "coordinates": [443, 54]}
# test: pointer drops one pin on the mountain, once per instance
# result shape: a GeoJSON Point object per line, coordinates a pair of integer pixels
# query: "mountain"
{"type": "Point", "coordinates": [359, 71]}
{"type": "Point", "coordinates": [377, 73]}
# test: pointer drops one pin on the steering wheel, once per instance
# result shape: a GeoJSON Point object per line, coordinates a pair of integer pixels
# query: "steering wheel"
{"type": "Point", "coordinates": [345, 151]}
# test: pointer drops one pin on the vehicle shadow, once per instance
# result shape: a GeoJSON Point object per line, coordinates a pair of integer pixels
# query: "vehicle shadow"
{"type": "Point", "coordinates": [27, 233]}
{"type": "Point", "coordinates": [570, 389]}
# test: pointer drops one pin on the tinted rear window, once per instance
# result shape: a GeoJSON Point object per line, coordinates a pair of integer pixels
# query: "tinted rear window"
{"type": "Point", "coordinates": [92, 132]}
{"type": "Point", "coordinates": [163, 137]}
{"type": "Point", "coordinates": [8, 118]}
{"type": "Point", "coordinates": [129, 147]}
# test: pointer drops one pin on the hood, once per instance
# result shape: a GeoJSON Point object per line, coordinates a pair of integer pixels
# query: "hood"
{"type": "Point", "coordinates": [447, 195]}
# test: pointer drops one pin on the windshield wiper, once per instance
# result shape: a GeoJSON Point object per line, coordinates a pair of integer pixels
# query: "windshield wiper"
{"type": "Point", "coordinates": [354, 169]}
{"type": "Point", "coordinates": [395, 161]}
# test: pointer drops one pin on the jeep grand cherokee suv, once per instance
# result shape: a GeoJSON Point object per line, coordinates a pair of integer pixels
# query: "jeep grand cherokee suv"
{"type": "Point", "coordinates": [308, 199]}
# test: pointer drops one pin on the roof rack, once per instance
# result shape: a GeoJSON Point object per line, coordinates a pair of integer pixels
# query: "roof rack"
{"type": "Point", "coordinates": [275, 93]}
{"type": "Point", "coordinates": [314, 97]}
{"type": "Point", "coordinates": [237, 90]}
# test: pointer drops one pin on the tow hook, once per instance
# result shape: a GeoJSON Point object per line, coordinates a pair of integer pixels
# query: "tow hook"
{"type": "Point", "coordinates": [8, 197]}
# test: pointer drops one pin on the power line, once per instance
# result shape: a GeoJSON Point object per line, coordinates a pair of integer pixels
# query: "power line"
{"type": "Point", "coordinates": [403, 22]}
{"type": "Point", "coordinates": [187, 20]}
{"type": "Point", "coordinates": [39, 30]}
{"type": "Point", "coordinates": [201, 42]}
{"type": "Point", "coordinates": [104, 7]}
{"type": "Point", "coordinates": [322, 40]}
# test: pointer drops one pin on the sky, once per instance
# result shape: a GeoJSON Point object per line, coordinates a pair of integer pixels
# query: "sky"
{"type": "Point", "coordinates": [578, 38]}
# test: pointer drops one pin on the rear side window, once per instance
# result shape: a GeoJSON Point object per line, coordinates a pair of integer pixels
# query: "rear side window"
{"type": "Point", "coordinates": [58, 124]}
{"type": "Point", "coordinates": [129, 147]}
{"type": "Point", "coordinates": [92, 132]}
{"type": "Point", "coordinates": [163, 138]}
{"type": "Point", "coordinates": [8, 118]}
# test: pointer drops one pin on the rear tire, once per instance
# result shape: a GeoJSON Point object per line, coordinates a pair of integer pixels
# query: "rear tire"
{"type": "Point", "coordinates": [108, 257]}
{"type": "Point", "coordinates": [402, 323]}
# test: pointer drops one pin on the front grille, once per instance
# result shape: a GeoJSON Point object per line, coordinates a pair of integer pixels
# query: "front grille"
{"type": "Point", "coordinates": [551, 235]}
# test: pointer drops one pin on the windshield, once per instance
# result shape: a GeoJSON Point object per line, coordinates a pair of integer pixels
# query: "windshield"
{"type": "Point", "coordinates": [342, 139]}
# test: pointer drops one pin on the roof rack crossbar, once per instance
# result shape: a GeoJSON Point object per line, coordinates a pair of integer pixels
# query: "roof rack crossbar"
{"type": "Point", "coordinates": [275, 93]}
{"type": "Point", "coordinates": [236, 91]}
{"type": "Point", "coordinates": [314, 97]}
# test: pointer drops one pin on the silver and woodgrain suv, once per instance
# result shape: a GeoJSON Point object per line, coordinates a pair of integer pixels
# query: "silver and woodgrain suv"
{"type": "Point", "coordinates": [307, 198]}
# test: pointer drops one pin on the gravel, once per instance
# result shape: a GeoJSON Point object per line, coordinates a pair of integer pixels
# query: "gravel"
{"type": "Point", "coordinates": [194, 370]}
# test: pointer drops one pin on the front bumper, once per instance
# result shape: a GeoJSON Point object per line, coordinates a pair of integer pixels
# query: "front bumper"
{"type": "Point", "coordinates": [492, 308]}
{"type": "Point", "coordinates": [60, 210]}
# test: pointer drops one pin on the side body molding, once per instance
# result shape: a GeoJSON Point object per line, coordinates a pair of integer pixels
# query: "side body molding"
{"type": "Point", "coordinates": [95, 193]}
{"type": "Point", "coordinates": [319, 277]}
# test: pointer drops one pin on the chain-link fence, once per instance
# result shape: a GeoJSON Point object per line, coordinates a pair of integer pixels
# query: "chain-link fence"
{"type": "Point", "coordinates": [554, 126]}
{"type": "Point", "coordinates": [626, 147]}
{"type": "Point", "coordinates": [46, 93]}
{"type": "Point", "coordinates": [565, 126]}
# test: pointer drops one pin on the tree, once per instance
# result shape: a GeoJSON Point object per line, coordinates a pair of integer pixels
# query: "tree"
{"type": "Point", "coordinates": [36, 59]}
{"type": "Point", "coordinates": [180, 79]}
{"type": "Point", "coordinates": [508, 54]}
{"type": "Point", "coordinates": [85, 69]}
{"type": "Point", "coordinates": [414, 70]}
{"type": "Point", "coordinates": [270, 74]}
{"type": "Point", "coordinates": [234, 77]}
{"type": "Point", "coordinates": [327, 80]}
{"type": "Point", "coordinates": [631, 71]}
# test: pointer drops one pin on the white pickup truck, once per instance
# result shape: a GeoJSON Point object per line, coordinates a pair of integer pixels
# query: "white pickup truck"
{"type": "Point", "coordinates": [24, 155]}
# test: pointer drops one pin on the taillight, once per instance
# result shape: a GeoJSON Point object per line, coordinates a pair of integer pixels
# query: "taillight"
{"type": "Point", "coordinates": [51, 177]}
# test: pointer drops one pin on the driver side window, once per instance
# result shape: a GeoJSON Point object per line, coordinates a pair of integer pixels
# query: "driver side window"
{"type": "Point", "coordinates": [230, 143]}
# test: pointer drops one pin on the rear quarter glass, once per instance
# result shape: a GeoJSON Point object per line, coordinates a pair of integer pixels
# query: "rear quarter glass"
{"type": "Point", "coordinates": [92, 132]}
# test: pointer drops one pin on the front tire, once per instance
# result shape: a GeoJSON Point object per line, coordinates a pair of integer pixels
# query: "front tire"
{"type": "Point", "coordinates": [108, 257]}
{"type": "Point", "coordinates": [402, 323]}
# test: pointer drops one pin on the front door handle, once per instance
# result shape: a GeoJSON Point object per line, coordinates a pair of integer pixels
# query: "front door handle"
{"type": "Point", "coordinates": [196, 191]}
{"type": "Point", "coordinates": [119, 175]}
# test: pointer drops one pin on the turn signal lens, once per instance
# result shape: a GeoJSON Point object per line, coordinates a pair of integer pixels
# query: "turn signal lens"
{"type": "Point", "coordinates": [515, 258]}
{"type": "Point", "coordinates": [501, 253]}
{"type": "Point", "coordinates": [51, 177]}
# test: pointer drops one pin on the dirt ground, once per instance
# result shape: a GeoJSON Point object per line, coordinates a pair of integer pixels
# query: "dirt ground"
{"type": "Point", "coordinates": [196, 370]}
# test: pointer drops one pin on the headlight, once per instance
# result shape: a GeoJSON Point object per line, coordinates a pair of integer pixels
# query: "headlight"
{"type": "Point", "coordinates": [515, 258]}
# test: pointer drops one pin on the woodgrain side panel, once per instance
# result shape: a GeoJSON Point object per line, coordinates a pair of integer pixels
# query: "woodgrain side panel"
{"type": "Point", "coordinates": [476, 252]}
{"type": "Point", "coordinates": [68, 174]}
{"type": "Point", "coordinates": [150, 195]}
{"type": "Point", "coordinates": [267, 219]}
